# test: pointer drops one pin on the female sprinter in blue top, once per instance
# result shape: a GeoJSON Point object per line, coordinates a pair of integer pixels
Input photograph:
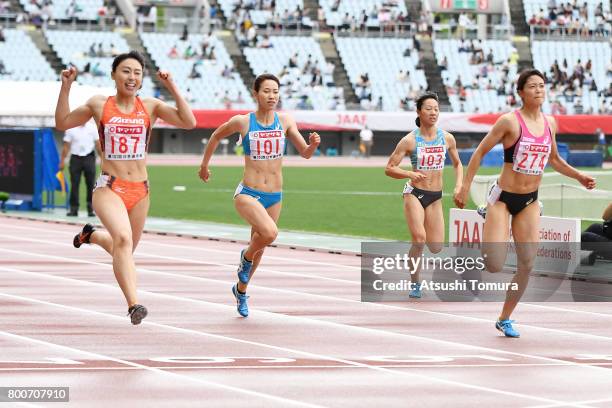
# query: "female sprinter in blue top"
{"type": "Point", "coordinates": [258, 196]}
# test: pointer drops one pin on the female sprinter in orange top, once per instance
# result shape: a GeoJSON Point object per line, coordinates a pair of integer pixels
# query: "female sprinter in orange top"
{"type": "Point", "coordinates": [258, 196]}
{"type": "Point", "coordinates": [528, 137]}
{"type": "Point", "coordinates": [121, 195]}
{"type": "Point", "coordinates": [427, 147]}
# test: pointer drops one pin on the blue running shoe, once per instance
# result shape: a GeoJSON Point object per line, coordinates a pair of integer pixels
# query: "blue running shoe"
{"type": "Point", "coordinates": [241, 302]}
{"type": "Point", "coordinates": [416, 292]}
{"type": "Point", "coordinates": [505, 326]}
{"type": "Point", "coordinates": [244, 269]}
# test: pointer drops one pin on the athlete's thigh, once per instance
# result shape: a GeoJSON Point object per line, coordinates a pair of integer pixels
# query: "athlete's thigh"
{"type": "Point", "coordinates": [434, 226]}
{"type": "Point", "coordinates": [526, 230]}
{"type": "Point", "coordinates": [253, 212]}
{"type": "Point", "coordinates": [275, 211]}
{"type": "Point", "coordinates": [138, 216]}
{"type": "Point", "coordinates": [112, 212]}
{"type": "Point", "coordinates": [415, 216]}
{"type": "Point", "coordinates": [495, 236]}
{"type": "Point", "coordinates": [497, 223]}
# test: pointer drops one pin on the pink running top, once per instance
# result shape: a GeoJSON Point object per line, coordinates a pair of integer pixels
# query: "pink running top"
{"type": "Point", "coordinates": [529, 154]}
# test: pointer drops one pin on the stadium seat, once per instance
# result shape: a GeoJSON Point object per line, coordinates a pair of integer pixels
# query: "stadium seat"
{"type": "Point", "coordinates": [73, 47]}
{"type": "Point", "coordinates": [23, 60]}
{"type": "Point", "coordinates": [296, 83]}
{"type": "Point", "coordinates": [211, 90]}
{"type": "Point", "coordinates": [364, 55]}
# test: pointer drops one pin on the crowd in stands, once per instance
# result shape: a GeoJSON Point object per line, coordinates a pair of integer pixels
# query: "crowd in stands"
{"type": "Point", "coordinates": [302, 77]}
{"type": "Point", "coordinates": [571, 19]}
{"type": "Point", "coordinates": [568, 84]}
{"type": "Point", "coordinates": [385, 15]}
{"type": "Point", "coordinates": [243, 12]}
{"type": "Point", "coordinates": [5, 7]}
{"type": "Point", "coordinates": [487, 73]}
{"type": "Point", "coordinates": [43, 13]}
{"type": "Point", "coordinates": [572, 85]}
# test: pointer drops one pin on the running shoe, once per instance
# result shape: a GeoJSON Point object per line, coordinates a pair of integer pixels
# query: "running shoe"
{"type": "Point", "coordinates": [83, 236]}
{"type": "Point", "coordinates": [241, 302]}
{"type": "Point", "coordinates": [137, 313]}
{"type": "Point", "coordinates": [416, 292]}
{"type": "Point", "coordinates": [505, 326]}
{"type": "Point", "coordinates": [244, 269]}
{"type": "Point", "coordinates": [482, 211]}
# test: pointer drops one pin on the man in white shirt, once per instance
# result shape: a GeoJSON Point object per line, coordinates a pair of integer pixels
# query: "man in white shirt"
{"type": "Point", "coordinates": [81, 142]}
{"type": "Point", "coordinates": [366, 136]}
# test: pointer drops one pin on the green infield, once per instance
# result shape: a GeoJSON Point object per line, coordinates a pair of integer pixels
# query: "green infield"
{"type": "Point", "coordinates": [356, 201]}
{"type": "Point", "coordinates": [346, 201]}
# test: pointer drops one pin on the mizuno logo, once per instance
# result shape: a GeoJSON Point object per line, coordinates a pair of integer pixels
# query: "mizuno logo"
{"type": "Point", "coordinates": [134, 121]}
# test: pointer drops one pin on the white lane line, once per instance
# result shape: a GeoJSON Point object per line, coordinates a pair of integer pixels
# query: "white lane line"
{"type": "Point", "coordinates": [311, 321]}
{"type": "Point", "coordinates": [277, 348]}
{"type": "Point", "coordinates": [229, 266]}
{"type": "Point", "coordinates": [206, 248]}
{"type": "Point", "coordinates": [318, 321]}
{"type": "Point", "coordinates": [564, 309]}
{"type": "Point", "coordinates": [296, 367]}
{"type": "Point", "coordinates": [327, 297]}
{"type": "Point", "coordinates": [175, 376]}
{"type": "Point", "coordinates": [597, 401]}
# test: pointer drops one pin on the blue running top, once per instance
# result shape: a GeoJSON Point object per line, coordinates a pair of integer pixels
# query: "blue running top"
{"type": "Point", "coordinates": [429, 155]}
{"type": "Point", "coordinates": [264, 142]}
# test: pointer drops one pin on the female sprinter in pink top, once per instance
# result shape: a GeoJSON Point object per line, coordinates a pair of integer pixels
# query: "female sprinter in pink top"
{"type": "Point", "coordinates": [258, 197]}
{"type": "Point", "coordinates": [529, 143]}
{"type": "Point", "coordinates": [121, 195]}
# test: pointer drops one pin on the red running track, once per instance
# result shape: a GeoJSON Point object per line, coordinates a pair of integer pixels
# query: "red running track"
{"type": "Point", "coordinates": [309, 341]}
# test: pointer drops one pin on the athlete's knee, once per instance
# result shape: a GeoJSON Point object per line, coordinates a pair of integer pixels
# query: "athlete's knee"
{"type": "Point", "coordinates": [525, 265]}
{"type": "Point", "coordinates": [122, 240]}
{"type": "Point", "coordinates": [434, 247]}
{"type": "Point", "coordinates": [419, 237]}
{"type": "Point", "coordinates": [268, 234]}
{"type": "Point", "coordinates": [493, 265]}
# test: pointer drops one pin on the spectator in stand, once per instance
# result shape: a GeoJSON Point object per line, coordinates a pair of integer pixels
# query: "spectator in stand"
{"type": "Point", "coordinates": [265, 42]}
{"type": "Point", "coordinates": [444, 64]}
{"type": "Point", "coordinates": [185, 34]}
{"type": "Point", "coordinates": [226, 72]}
{"type": "Point", "coordinates": [189, 52]}
{"type": "Point", "coordinates": [173, 53]}
{"type": "Point", "coordinates": [3, 70]}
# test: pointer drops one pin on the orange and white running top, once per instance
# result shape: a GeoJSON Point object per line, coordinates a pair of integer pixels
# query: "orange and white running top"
{"type": "Point", "coordinates": [124, 136]}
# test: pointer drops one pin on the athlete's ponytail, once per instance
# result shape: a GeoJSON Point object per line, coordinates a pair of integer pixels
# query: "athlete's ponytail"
{"type": "Point", "coordinates": [418, 122]}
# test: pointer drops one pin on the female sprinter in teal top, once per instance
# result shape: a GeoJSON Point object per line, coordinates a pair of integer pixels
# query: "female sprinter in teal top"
{"type": "Point", "coordinates": [258, 197]}
{"type": "Point", "coordinates": [427, 147]}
